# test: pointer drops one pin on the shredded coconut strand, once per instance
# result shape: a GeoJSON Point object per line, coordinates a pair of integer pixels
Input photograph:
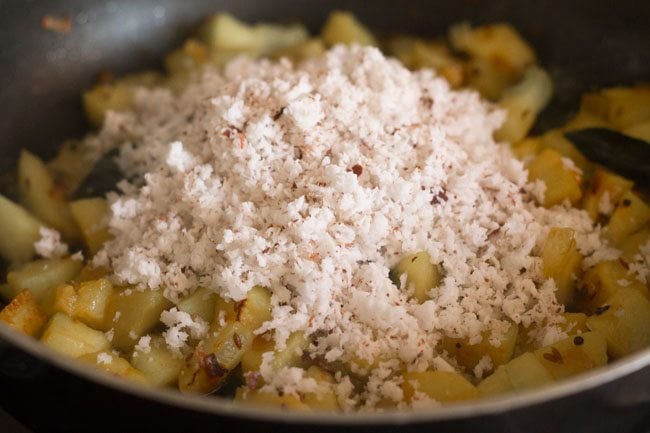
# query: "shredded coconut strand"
{"type": "Point", "coordinates": [314, 181]}
{"type": "Point", "coordinates": [50, 246]}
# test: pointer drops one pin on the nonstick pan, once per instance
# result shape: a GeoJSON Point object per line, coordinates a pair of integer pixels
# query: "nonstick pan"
{"type": "Point", "coordinates": [584, 44]}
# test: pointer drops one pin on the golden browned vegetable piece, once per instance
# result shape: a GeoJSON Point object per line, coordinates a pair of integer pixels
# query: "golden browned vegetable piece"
{"type": "Point", "coordinates": [23, 314]}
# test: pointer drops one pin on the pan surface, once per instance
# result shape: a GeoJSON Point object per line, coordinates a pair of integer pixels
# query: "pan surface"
{"type": "Point", "coordinates": [585, 44]}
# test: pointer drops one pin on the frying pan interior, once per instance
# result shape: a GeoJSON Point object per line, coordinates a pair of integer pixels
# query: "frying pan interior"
{"type": "Point", "coordinates": [584, 44]}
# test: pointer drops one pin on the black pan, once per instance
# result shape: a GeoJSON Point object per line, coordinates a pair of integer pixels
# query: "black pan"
{"type": "Point", "coordinates": [585, 44]}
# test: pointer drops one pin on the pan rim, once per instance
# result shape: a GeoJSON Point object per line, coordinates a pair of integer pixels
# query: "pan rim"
{"type": "Point", "coordinates": [225, 407]}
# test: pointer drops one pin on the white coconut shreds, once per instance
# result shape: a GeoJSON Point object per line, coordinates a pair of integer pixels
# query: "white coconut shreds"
{"type": "Point", "coordinates": [50, 245]}
{"type": "Point", "coordinates": [314, 181]}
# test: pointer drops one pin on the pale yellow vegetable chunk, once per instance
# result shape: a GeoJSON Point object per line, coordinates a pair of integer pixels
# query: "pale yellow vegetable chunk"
{"type": "Point", "coordinates": [252, 358]}
{"type": "Point", "coordinates": [214, 358]}
{"type": "Point", "coordinates": [624, 321]}
{"type": "Point", "coordinates": [201, 304]}
{"type": "Point", "coordinates": [73, 338]}
{"type": "Point", "coordinates": [561, 262]}
{"type": "Point", "coordinates": [469, 355]}
{"type": "Point", "coordinates": [93, 299]}
{"type": "Point", "coordinates": [627, 106]}
{"type": "Point", "coordinates": [92, 215]}
{"type": "Point", "coordinates": [255, 309]}
{"type": "Point", "coordinates": [321, 401]}
{"type": "Point", "coordinates": [19, 229]}
{"type": "Point", "coordinates": [527, 372]}
{"type": "Point", "coordinates": [23, 314]}
{"type": "Point", "coordinates": [555, 139]}
{"type": "Point", "coordinates": [562, 183]}
{"type": "Point", "coordinates": [523, 102]}
{"type": "Point", "coordinates": [604, 187]}
{"type": "Point", "coordinates": [43, 197]}
{"type": "Point", "coordinates": [604, 280]}
{"type": "Point", "coordinates": [631, 245]}
{"type": "Point", "coordinates": [134, 313]}
{"type": "Point", "coordinates": [114, 365]}
{"type": "Point", "coordinates": [260, 398]}
{"type": "Point", "coordinates": [496, 383]}
{"type": "Point", "coordinates": [421, 274]}
{"type": "Point", "coordinates": [631, 214]}
{"type": "Point", "coordinates": [42, 277]}
{"type": "Point", "coordinates": [291, 355]}
{"type": "Point", "coordinates": [104, 98]}
{"type": "Point", "coordinates": [573, 355]}
{"type": "Point", "coordinates": [160, 366]}
{"type": "Point", "coordinates": [442, 386]}
{"type": "Point", "coordinates": [344, 28]}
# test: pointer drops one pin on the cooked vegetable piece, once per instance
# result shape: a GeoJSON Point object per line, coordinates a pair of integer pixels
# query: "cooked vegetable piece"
{"type": "Point", "coordinates": [442, 386]}
{"type": "Point", "coordinates": [214, 358]}
{"type": "Point", "coordinates": [468, 355]}
{"type": "Point", "coordinates": [159, 365]}
{"type": "Point", "coordinates": [523, 102]}
{"type": "Point", "coordinates": [555, 139]}
{"type": "Point", "coordinates": [19, 229]}
{"type": "Point", "coordinates": [626, 106]}
{"type": "Point", "coordinates": [527, 372]}
{"type": "Point", "coordinates": [562, 183]}
{"type": "Point", "coordinates": [42, 276]}
{"type": "Point", "coordinates": [43, 197]}
{"type": "Point", "coordinates": [104, 98]}
{"type": "Point", "coordinates": [624, 321]}
{"type": "Point", "coordinates": [576, 323]}
{"type": "Point", "coordinates": [344, 28]}
{"type": "Point", "coordinates": [321, 401]}
{"type": "Point", "coordinates": [23, 314]}
{"type": "Point", "coordinates": [526, 148]}
{"type": "Point", "coordinates": [73, 162]}
{"type": "Point", "coordinates": [192, 55]}
{"type": "Point", "coordinates": [252, 359]}
{"type": "Point", "coordinates": [201, 304]}
{"type": "Point", "coordinates": [496, 383]}
{"type": "Point", "coordinates": [421, 274]}
{"type": "Point", "coordinates": [63, 300]}
{"type": "Point", "coordinates": [573, 355]}
{"type": "Point", "coordinates": [73, 338]}
{"type": "Point", "coordinates": [93, 298]}
{"type": "Point", "coordinates": [114, 365]}
{"type": "Point", "coordinates": [488, 78]}
{"type": "Point", "coordinates": [630, 246]}
{"type": "Point", "coordinates": [604, 280]}
{"type": "Point", "coordinates": [291, 355]}
{"type": "Point", "coordinates": [255, 309]}
{"type": "Point", "coordinates": [91, 216]}
{"type": "Point", "coordinates": [134, 313]}
{"type": "Point", "coordinates": [639, 130]}
{"type": "Point", "coordinates": [605, 190]}
{"type": "Point", "coordinates": [498, 43]}
{"type": "Point", "coordinates": [302, 51]}
{"type": "Point", "coordinates": [262, 398]}
{"type": "Point", "coordinates": [561, 262]}
{"type": "Point", "coordinates": [631, 214]}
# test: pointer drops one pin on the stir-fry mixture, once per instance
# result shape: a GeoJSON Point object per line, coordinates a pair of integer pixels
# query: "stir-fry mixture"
{"type": "Point", "coordinates": [334, 222]}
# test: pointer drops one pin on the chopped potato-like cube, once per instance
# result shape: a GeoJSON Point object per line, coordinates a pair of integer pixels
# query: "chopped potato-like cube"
{"type": "Point", "coordinates": [488, 78]}
{"type": "Point", "coordinates": [416, 53]}
{"type": "Point", "coordinates": [63, 301]}
{"type": "Point", "coordinates": [42, 277]}
{"type": "Point", "coordinates": [201, 304]}
{"type": "Point", "coordinates": [605, 190]}
{"type": "Point", "coordinates": [104, 98]}
{"type": "Point", "coordinates": [72, 164]}
{"type": "Point", "coordinates": [263, 398]}
{"type": "Point", "coordinates": [639, 130]}
{"type": "Point", "coordinates": [91, 215]}
{"type": "Point", "coordinates": [43, 197]}
{"type": "Point", "coordinates": [442, 386]}
{"type": "Point", "coordinates": [73, 338]}
{"type": "Point", "coordinates": [190, 57]}
{"type": "Point", "coordinates": [627, 106]}
{"type": "Point", "coordinates": [603, 280]}
{"type": "Point", "coordinates": [93, 298]}
{"type": "Point", "coordinates": [631, 214]}
{"type": "Point", "coordinates": [561, 262]}
{"type": "Point", "coordinates": [421, 274]}
{"type": "Point", "coordinates": [214, 358]}
{"type": "Point", "coordinates": [302, 51]}
{"type": "Point", "coordinates": [526, 372]}
{"type": "Point", "coordinates": [527, 147]}
{"type": "Point", "coordinates": [344, 28]}
{"type": "Point", "coordinates": [326, 401]}
{"type": "Point", "coordinates": [114, 365]}
{"type": "Point", "coordinates": [631, 245]}
{"type": "Point", "coordinates": [252, 359]}
{"type": "Point", "coordinates": [562, 183]}
{"type": "Point", "coordinates": [134, 313]}
{"type": "Point", "coordinates": [555, 139]}
{"type": "Point", "coordinates": [255, 309]}
{"type": "Point", "coordinates": [523, 102]}
{"type": "Point", "coordinates": [23, 314]}
{"type": "Point", "coordinates": [496, 383]}
{"type": "Point", "coordinates": [19, 229]}
{"type": "Point", "coordinates": [573, 355]}
{"type": "Point", "coordinates": [159, 365]}
{"type": "Point", "coordinates": [291, 355]}
{"type": "Point", "coordinates": [470, 355]}
{"type": "Point", "coordinates": [624, 321]}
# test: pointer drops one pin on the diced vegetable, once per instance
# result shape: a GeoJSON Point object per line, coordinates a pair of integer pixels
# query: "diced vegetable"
{"type": "Point", "coordinates": [527, 372]}
{"type": "Point", "coordinates": [624, 321]}
{"type": "Point", "coordinates": [562, 183]}
{"type": "Point", "coordinates": [255, 309]}
{"type": "Point", "coordinates": [555, 139]}
{"type": "Point", "coordinates": [23, 314]}
{"type": "Point", "coordinates": [523, 102]}
{"type": "Point", "coordinates": [134, 313]}
{"type": "Point", "coordinates": [573, 355]}
{"type": "Point", "coordinates": [93, 298]}
{"type": "Point", "coordinates": [114, 365]}
{"type": "Point", "coordinates": [344, 28]}
{"type": "Point", "coordinates": [604, 189]}
{"type": "Point", "coordinates": [252, 359]}
{"type": "Point", "coordinates": [91, 216]}
{"type": "Point", "coordinates": [214, 358]}
{"type": "Point", "coordinates": [106, 97]}
{"type": "Point", "coordinates": [604, 280]}
{"type": "Point", "coordinates": [201, 304]}
{"type": "Point", "coordinates": [261, 398]}
{"type": "Point", "coordinates": [469, 355]}
{"type": "Point", "coordinates": [43, 197]}
{"type": "Point", "coordinates": [561, 262]}
{"type": "Point", "coordinates": [631, 245]}
{"type": "Point", "coordinates": [73, 338]}
{"type": "Point", "coordinates": [42, 276]}
{"type": "Point", "coordinates": [160, 366]}
{"type": "Point", "coordinates": [18, 231]}
{"type": "Point", "coordinates": [291, 355]}
{"type": "Point", "coordinates": [496, 383]}
{"type": "Point", "coordinates": [421, 274]}
{"type": "Point", "coordinates": [443, 386]}
{"type": "Point", "coordinates": [631, 214]}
